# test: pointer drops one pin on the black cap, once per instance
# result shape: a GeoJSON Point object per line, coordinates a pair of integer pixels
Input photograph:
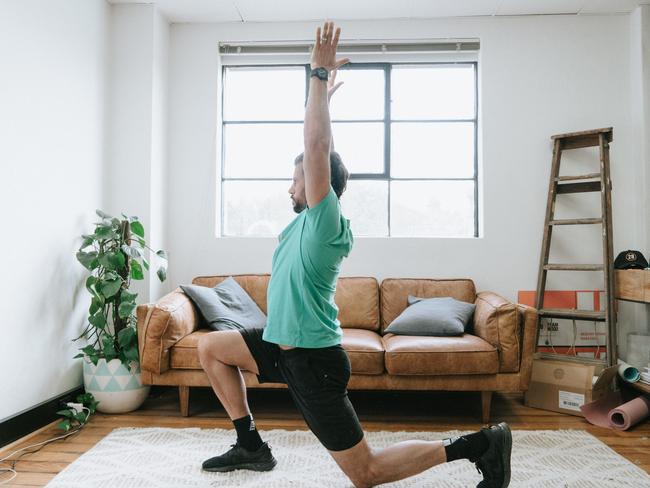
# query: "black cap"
{"type": "Point", "coordinates": [630, 260]}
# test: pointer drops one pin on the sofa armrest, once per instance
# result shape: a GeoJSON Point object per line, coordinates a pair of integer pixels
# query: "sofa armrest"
{"type": "Point", "coordinates": [528, 346]}
{"type": "Point", "coordinates": [160, 326]}
{"type": "Point", "coordinates": [497, 321]}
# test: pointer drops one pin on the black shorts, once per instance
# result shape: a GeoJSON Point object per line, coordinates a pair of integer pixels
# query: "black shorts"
{"type": "Point", "coordinates": [317, 380]}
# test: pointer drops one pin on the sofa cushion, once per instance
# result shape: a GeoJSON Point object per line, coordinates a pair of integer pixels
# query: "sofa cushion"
{"type": "Point", "coordinates": [227, 306]}
{"type": "Point", "coordinates": [417, 355]}
{"type": "Point", "coordinates": [358, 303]}
{"type": "Point", "coordinates": [357, 298]}
{"type": "Point", "coordinates": [394, 292]}
{"type": "Point", "coordinates": [184, 354]}
{"type": "Point", "coordinates": [443, 316]}
{"type": "Point", "coordinates": [498, 321]}
{"type": "Point", "coordinates": [365, 350]}
{"type": "Point", "coordinates": [254, 284]}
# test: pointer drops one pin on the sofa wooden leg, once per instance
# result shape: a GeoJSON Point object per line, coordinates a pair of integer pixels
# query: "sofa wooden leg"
{"type": "Point", "coordinates": [184, 396]}
{"type": "Point", "coordinates": [486, 399]}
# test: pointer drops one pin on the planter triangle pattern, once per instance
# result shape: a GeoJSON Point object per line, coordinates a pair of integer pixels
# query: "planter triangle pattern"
{"type": "Point", "coordinates": [111, 377]}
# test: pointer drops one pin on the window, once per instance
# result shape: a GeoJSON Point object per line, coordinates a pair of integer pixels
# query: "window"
{"type": "Point", "coordinates": [406, 132]}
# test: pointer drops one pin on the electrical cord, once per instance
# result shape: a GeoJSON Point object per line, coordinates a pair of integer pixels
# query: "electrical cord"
{"type": "Point", "coordinates": [13, 462]}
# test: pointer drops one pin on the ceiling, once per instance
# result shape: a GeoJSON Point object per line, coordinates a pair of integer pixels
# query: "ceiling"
{"type": "Point", "coordinates": [308, 10]}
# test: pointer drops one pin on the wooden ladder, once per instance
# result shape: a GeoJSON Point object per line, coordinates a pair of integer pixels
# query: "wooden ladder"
{"type": "Point", "coordinates": [593, 182]}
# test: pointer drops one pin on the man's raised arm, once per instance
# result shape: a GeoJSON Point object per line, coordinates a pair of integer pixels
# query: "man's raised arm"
{"type": "Point", "coordinates": [317, 129]}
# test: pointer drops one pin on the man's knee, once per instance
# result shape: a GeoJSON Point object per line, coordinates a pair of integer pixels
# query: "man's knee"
{"type": "Point", "coordinates": [366, 477]}
{"type": "Point", "coordinates": [208, 347]}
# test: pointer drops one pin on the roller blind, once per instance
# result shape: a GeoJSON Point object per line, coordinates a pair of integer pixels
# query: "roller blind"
{"type": "Point", "coordinates": [447, 50]}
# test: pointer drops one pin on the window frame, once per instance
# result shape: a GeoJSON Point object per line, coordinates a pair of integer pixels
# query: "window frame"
{"type": "Point", "coordinates": [387, 121]}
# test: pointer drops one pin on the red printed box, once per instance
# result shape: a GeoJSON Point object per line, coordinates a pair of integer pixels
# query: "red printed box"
{"type": "Point", "coordinates": [567, 336]}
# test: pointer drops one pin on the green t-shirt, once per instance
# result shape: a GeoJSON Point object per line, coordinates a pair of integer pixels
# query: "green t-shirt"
{"type": "Point", "coordinates": [305, 267]}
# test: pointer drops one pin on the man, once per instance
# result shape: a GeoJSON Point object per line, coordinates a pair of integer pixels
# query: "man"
{"type": "Point", "coordinates": [301, 343]}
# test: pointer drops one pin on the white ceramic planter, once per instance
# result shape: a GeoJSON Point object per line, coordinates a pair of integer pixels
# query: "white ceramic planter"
{"type": "Point", "coordinates": [117, 389]}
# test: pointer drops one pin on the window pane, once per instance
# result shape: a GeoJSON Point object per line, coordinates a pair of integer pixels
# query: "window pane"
{"type": "Point", "coordinates": [432, 208]}
{"type": "Point", "coordinates": [256, 208]}
{"type": "Point", "coordinates": [365, 202]}
{"type": "Point", "coordinates": [361, 146]}
{"type": "Point", "coordinates": [261, 150]}
{"type": "Point", "coordinates": [432, 150]}
{"type": "Point", "coordinates": [264, 93]}
{"type": "Point", "coordinates": [426, 92]}
{"type": "Point", "coordinates": [361, 97]}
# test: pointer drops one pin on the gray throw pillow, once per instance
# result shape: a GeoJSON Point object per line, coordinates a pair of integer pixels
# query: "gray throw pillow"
{"type": "Point", "coordinates": [227, 306]}
{"type": "Point", "coordinates": [443, 316]}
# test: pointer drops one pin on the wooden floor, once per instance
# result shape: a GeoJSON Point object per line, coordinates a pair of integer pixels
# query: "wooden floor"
{"type": "Point", "coordinates": [411, 411]}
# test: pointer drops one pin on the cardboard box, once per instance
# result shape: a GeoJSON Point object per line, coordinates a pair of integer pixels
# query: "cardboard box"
{"type": "Point", "coordinates": [564, 386]}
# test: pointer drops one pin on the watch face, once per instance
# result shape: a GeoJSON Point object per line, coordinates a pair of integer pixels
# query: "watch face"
{"type": "Point", "coordinates": [320, 73]}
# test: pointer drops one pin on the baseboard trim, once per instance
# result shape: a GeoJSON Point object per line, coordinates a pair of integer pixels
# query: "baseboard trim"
{"type": "Point", "coordinates": [27, 421]}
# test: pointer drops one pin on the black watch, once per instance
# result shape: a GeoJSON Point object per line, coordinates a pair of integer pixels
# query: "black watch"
{"type": "Point", "coordinates": [320, 73]}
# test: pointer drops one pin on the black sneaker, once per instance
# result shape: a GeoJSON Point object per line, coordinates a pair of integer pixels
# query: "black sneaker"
{"type": "Point", "coordinates": [494, 463]}
{"type": "Point", "coordinates": [239, 458]}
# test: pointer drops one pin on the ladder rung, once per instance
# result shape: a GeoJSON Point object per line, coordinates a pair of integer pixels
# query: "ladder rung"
{"type": "Point", "coordinates": [567, 313]}
{"type": "Point", "coordinates": [590, 176]}
{"type": "Point", "coordinates": [587, 138]}
{"type": "Point", "coordinates": [576, 221]}
{"type": "Point", "coordinates": [574, 359]}
{"type": "Point", "coordinates": [578, 187]}
{"type": "Point", "coordinates": [574, 267]}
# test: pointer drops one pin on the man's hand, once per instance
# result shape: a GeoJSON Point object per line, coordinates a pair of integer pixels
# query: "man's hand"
{"type": "Point", "coordinates": [332, 86]}
{"type": "Point", "coordinates": [324, 53]}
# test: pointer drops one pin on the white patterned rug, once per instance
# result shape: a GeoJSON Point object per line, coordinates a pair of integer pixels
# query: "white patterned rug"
{"type": "Point", "coordinates": [163, 457]}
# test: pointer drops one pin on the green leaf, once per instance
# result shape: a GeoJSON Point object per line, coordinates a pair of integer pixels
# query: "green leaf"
{"type": "Point", "coordinates": [80, 417]}
{"type": "Point", "coordinates": [80, 355]}
{"type": "Point", "coordinates": [90, 281]}
{"type": "Point", "coordinates": [66, 413]}
{"type": "Point", "coordinates": [126, 336]}
{"type": "Point", "coordinates": [105, 232]}
{"type": "Point", "coordinates": [137, 228]}
{"type": "Point", "coordinates": [108, 348]}
{"type": "Point", "coordinates": [118, 259]}
{"type": "Point", "coordinates": [113, 260]}
{"type": "Point", "coordinates": [127, 296]}
{"type": "Point", "coordinates": [65, 425]}
{"type": "Point", "coordinates": [134, 252]}
{"type": "Point", "coordinates": [87, 259]}
{"type": "Point", "coordinates": [89, 350]}
{"type": "Point", "coordinates": [145, 263]}
{"type": "Point", "coordinates": [110, 288]}
{"type": "Point", "coordinates": [111, 275]}
{"type": "Point", "coordinates": [87, 241]}
{"type": "Point", "coordinates": [131, 353]}
{"type": "Point", "coordinates": [125, 310]}
{"type": "Point", "coordinates": [95, 305]}
{"type": "Point", "coordinates": [162, 253]}
{"type": "Point", "coordinates": [98, 320]}
{"type": "Point", "coordinates": [136, 271]}
{"type": "Point", "coordinates": [102, 214]}
{"type": "Point", "coordinates": [162, 273]}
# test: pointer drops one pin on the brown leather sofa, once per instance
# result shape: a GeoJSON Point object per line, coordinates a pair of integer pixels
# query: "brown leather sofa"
{"type": "Point", "coordinates": [496, 356]}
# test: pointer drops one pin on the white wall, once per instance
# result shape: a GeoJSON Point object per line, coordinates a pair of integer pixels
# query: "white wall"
{"type": "Point", "coordinates": [157, 230]}
{"type": "Point", "coordinates": [135, 170]}
{"type": "Point", "coordinates": [539, 76]}
{"type": "Point", "coordinates": [52, 94]}
{"type": "Point", "coordinates": [640, 118]}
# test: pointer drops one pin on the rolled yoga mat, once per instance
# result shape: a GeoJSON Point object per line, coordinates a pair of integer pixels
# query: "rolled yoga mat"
{"type": "Point", "coordinates": [631, 413]}
{"type": "Point", "coordinates": [627, 372]}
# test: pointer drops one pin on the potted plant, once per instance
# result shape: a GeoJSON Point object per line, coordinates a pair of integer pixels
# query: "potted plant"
{"type": "Point", "coordinates": [114, 254]}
